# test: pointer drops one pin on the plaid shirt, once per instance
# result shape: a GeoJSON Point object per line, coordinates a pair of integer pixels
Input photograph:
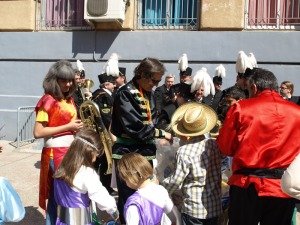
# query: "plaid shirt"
{"type": "Point", "coordinates": [198, 170]}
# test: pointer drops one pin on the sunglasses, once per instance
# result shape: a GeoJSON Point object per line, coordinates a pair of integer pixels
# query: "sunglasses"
{"type": "Point", "coordinates": [148, 75]}
{"type": "Point", "coordinates": [155, 82]}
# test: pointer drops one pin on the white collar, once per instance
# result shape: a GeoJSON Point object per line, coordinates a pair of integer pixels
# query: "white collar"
{"type": "Point", "coordinates": [107, 91]}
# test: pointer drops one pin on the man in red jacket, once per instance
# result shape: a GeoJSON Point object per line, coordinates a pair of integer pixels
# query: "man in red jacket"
{"type": "Point", "coordinates": [263, 140]}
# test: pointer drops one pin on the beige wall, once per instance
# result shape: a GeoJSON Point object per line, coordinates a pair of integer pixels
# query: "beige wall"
{"type": "Point", "coordinates": [128, 23]}
{"type": "Point", "coordinates": [222, 15]}
{"type": "Point", "coordinates": [214, 15]}
{"type": "Point", "coordinates": [17, 15]}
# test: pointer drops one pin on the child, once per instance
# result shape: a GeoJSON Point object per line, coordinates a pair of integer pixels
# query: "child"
{"type": "Point", "coordinates": [198, 165]}
{"type": "Point", "coordinates": [76, 183]}
{"type": "Point", "coordinates": [150, 201]}
{"type": "Point", "coordinates": [11, 206]}
{"type": "Point", "coordinates": [290, 180]}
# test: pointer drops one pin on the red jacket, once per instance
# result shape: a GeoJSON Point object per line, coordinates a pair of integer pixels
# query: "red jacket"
{"type": "Point", "coordinates": [261, 132]}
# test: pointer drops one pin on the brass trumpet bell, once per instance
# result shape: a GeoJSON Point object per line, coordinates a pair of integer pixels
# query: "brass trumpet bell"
{"type": "Point", "coordinates": [88, 84]}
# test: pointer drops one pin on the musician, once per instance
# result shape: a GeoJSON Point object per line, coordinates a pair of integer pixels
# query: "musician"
{"type": "Point", "coordinates": [185, 77]}
{"type": "Point", "coordinates": [133, 119]}
{"type": "Point", "coordinates": [78, 94]}
{"type": "Point", "coordinates": [120, 80]}
{"type": "Point", "coordinates": [103, 98]}
{"type": "Point", "coordinates": [183, 95]}
{"type": "Point", "coordinates": [214, 100]}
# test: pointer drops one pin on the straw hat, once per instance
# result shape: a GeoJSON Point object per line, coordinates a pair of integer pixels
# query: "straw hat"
{"type": "Point", "coordinates": [193, 119]}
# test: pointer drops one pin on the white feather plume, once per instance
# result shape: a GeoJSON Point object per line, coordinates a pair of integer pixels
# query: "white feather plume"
{"type": "Point", "coordinates": [202, 78]}
{"type": "Point", "coordinates": [220, 71]}
{"type": "Point", "coordinates": [112, 65]}
{"type": "Point", "coordinates": [242, 63]}
{"type": "Point", "coordinates": [79, 65]}
{"type": "Point", "coordinates": [183, 62]}
{"type": "Point", "coordinates": [252, 59]}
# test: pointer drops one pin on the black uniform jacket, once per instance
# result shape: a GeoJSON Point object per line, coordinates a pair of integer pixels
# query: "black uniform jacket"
{"type": "Point", "coordinates": [162, 98]}
{"type": "Point", "coordinates": [105, 103]}
{"type": "Point", "coordinates": [131, 124]}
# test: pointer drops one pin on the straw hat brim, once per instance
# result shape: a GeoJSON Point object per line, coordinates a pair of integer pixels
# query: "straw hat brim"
{"type": "Point", "coordinates": [177, 125]}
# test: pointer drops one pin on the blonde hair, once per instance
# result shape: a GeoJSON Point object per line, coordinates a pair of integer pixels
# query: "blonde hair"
{"type": "Point", "coordinates": [289, 85]}
{"type": "Point", "coordinates": [133, 168]}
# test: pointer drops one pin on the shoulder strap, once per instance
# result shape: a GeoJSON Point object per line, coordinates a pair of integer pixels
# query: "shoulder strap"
{"type": "Point", "coordinates": [97, 96]}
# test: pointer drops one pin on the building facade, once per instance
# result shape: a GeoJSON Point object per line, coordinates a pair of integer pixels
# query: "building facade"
{"type": "Point", "coordinates": [35, 34]}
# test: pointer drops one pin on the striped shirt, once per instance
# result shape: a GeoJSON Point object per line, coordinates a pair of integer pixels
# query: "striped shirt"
{"type": "Point", "coordinates": [198, 173]}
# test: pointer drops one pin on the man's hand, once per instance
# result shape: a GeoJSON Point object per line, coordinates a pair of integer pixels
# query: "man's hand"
{"type": "Point", "coordinates": [169, 137]}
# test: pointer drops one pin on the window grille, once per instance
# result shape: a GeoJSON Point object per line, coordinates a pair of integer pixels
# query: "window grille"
{"type": "Point", "coordinates": [167, 14]}
{"type": "Point", "coordinates": [61, 15]}
{"type": "Point", "coordinates": [272, 14]}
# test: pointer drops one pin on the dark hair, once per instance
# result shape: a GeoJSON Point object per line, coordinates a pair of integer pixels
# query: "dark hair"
{"type": "Point", "coordinates": [234, 92]}
{"type": "Point", "coordinates": [263, 79]}
{"type": "Point", "coordinates": [60, 70]}
{"type": "Point", "coordinates": [148, 67]}
{"type": "Point", "coordinates": [249, 72]}
{"type": "Point", "coordinates": [77, 72]}
{"type": "Point", "coordinates": [79, 154]}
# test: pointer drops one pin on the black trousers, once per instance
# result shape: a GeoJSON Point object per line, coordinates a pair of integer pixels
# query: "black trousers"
{"type": "Point", "coordinates": [124, 192]}
{"type": "Point", "coordinates": [247, 208]}
{"type": "Point", "coordinates": [101, 167]}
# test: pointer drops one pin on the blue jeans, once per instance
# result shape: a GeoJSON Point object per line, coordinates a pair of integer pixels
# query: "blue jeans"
{"type": "Point", "coordinates": [51, 213]}
{"type": "Point", "coordinates": [189, 220]}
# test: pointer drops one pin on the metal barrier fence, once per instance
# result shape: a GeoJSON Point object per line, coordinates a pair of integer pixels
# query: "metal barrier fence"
{"type": "Point", "coordinates": [25, 125]}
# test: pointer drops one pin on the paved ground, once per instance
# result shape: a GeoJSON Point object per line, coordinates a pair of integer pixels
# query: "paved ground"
{"type": "Point", "coordinates": [21, 168]}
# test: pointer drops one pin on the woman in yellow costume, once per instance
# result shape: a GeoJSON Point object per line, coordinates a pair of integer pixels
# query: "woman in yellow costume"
{"type": "Point", "coordinates": [56, 122]}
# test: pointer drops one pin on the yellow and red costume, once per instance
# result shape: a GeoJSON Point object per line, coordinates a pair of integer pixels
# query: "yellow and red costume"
{"type": "Point", "coordinates": [54, 113]}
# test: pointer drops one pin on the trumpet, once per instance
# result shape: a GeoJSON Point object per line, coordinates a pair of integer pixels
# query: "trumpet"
{"type": "Point", "coordinates": [91, 117]}
{"type": "Point", "coordinates": [85, 87]}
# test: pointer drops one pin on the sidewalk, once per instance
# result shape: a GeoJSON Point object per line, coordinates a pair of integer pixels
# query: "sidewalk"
{"type": "Point", "coordinates": [22, 169]}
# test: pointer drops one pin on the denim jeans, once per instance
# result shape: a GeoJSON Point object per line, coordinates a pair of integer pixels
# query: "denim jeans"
{"type": "Point", "coordinates": [51, 213]}
{"type": "Point", "coordinates": [189, 220]}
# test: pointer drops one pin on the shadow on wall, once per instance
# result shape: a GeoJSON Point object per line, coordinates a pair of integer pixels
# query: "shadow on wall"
{"type": "Point", "coordinates": [93, 42]}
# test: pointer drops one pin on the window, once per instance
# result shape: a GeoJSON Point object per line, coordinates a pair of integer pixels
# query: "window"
{"type": "Point", "coordinates": [167, 14]}
{"type": "Point", "coordinates": [272, 14]}
{"type": "Point", "coordinates": [62, 15]}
